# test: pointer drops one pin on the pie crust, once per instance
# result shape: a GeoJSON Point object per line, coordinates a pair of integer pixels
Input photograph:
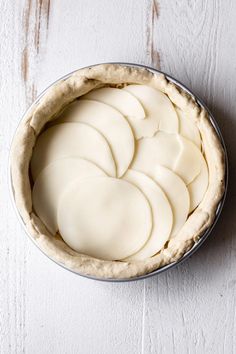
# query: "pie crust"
{"type": "Point", "coordinates": [49, 106]}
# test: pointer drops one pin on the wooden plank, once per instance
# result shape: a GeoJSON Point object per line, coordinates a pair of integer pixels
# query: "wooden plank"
{"type": "Point", "coordinates": [35, 22]}
{"type": "Point", "coordinates": [13, 250]}
{"type": "Point", "coordinates": [152, 15]}
{"type": "Point", "coordinates": [191, 309]}
{"type": "Point", "coordinates": [45, 309]}
{"type": "Point", "coordinates": [66, 313]}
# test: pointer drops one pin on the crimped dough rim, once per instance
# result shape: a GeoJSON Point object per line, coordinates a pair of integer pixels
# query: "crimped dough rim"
{"type": "Point", "coordinates": [49, 105]}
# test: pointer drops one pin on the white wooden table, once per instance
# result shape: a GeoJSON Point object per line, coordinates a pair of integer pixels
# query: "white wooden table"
{"type": "Point", "coordinates": [45, 309]}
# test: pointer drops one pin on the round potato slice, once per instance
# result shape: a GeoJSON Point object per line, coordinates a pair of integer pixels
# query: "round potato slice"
{"type": "Point", "coordinates": [123, 101]}
{"type": "Point", "coordinates": [162, 149]}
{"type": "Point", "coordinates": [170, 150]}
{"type": "Point", "coordinates": [197, 188]}
{"type": "Point", "coordinates": [188, 128]}
{"type": "Point", "coordinates": [177, 194]}
{"type": "Point", "coordinates": [107, 121]}
{"type": "Point", "coordinates": [72, 140]}
{"type": "Point", "coordinates": [189, 162]}
{"type": "Point", "coordinates": [161, 212]}
{"type": "Point", "coordinates": [52, 181]}
{"type": "Point", "coordinates": [104, 217]}
{"type": "Point", "coordinates": [160, 112]}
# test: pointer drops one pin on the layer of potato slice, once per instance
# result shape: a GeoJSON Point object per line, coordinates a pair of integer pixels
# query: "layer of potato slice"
{"type": "Point", "coordinates": [107, 121]}
{"type": "Point", "coordinates": [177, 194]}
{"type": "Point", "coordinates": [164, 173]}
{"type": "Point", "coordinates": [52, 181]}
{"type": "Point", "coordinates": [189, 162]}
{"type": "Point", "coordinates": [170, 150]}
{"type": "Point", "coordinates": [197, 188]}
{"type": "Point", "coordinates": [188, 128]}
{"type": "Point", "coordinates": [123, 101]}
{"type": "Point", "coordinates": [160, 112]}
{"type": "Point", "coordinates": [70, 140]}
{"type": "Point", "coordinates": [162, 149]}
{"type": "Point", "coordinates": [104, 217]}
{"type": "Point", "coordinates": [161, 214]}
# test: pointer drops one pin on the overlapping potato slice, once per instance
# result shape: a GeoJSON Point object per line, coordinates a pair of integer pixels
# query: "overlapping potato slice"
{"type": "Point", "coordinates": [162, 149]}
{"type": "Point", "coordinates": [160, 112]}
{"type": "Point", "coordinates": [197, 188]}
{"type": "Point", "coordinates": [51, 182]}
{"type": "Point", "coordinates": [68, 140]}
{"type": "Point", "coordinates": [107, 121]}
{"type": "Point", "coordinates": [123, 101]}
{"type": "Point", "coordinates": [177, 194]}
{"type": "Point", "coordinates": [161, 214]}
{"type": "Point", "coordinates": [189, 162]}
{"type": "Point", "coordinates": [104, 217]}
{"type": "Point", "coordinates": [188, 129]}
{"type": "Point", "coordinates": [74, 163]}
{"type": "Point", "coordinates": [170, 150]}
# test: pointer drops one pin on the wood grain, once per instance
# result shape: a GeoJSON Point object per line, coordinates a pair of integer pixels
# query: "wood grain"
{"type": "Point", "coordinates": [102, 317]}
{"type": "Point", "coordinates": [152, 16]}
{"type": "Point", "coordinates": [13, 248]}
{"type": "Point", "coordinates": [191, 309]}
{"type": "Point", "coordinates": [45, 309]}
{"type": "Point", "coordinates": [35, 23]}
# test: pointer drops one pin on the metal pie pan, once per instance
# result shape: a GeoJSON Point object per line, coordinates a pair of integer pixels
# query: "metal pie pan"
{"type": "Point", "coordinates": [205, 235]}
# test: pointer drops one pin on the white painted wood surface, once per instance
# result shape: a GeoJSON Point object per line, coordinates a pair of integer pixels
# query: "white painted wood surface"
{"type": "Point", "coordinates": [45, 309]}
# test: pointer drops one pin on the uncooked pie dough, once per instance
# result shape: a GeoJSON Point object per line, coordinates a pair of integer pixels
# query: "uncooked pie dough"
{"type": "Point", "coordinates": [126, 175]}
{"type": "Point", "coordinates": [93, 134]}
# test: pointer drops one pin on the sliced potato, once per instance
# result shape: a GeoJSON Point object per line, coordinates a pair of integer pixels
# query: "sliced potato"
{"type": "Point", "coordinates": [170, 150]}
{"type": "Point", "coordinates": [52, 181]}
{"type": "Point", "coordinates": [160, 112]}
{"type": "Point", "coordinates": [104, 217]}
{"type": "Point", "coordinates": [177, 194]}
{"type": "Point", "coordinates": [197, 188]}
{"type": "Point", "coordinates": [70, 140]}
{"type": "Point", "coordinates": [107, 121]}
{"type": "Point", "coordinates": [161, 214]}
{"type": "Point", "coordinates": [123, 101]}
{"type": "Point", "coordinates": [188, 128]}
